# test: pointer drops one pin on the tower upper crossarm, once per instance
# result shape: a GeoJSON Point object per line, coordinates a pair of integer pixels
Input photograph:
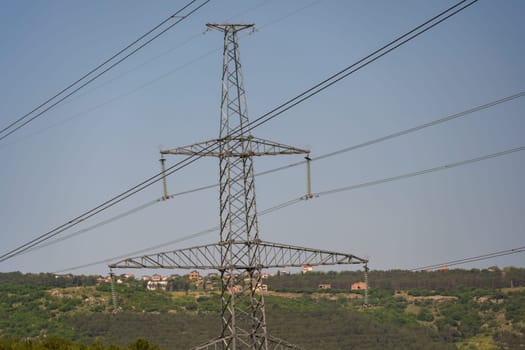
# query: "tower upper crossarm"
{"type": "Point", "coordinates": [215, 148]}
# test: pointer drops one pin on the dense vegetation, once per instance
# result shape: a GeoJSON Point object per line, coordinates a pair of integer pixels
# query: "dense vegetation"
{"type": "Point", "coordinates": [403, 280]}
{"type": "Point", "coordinates": [408, 310]}
{"type": "Point", "coordinates": [55, 343]}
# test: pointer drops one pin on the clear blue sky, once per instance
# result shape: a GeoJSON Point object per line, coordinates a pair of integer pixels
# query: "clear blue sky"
{"type": "Point", "coordinates": [107, 139]}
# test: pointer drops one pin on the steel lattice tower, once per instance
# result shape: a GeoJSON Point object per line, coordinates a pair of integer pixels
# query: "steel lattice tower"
{"type": "Point", "coordinates": [240, 255]}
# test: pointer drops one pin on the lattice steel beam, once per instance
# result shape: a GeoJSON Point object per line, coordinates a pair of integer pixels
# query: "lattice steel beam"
{"type": "Point", "coordinates": [259, 147]}
{"type": "Point", "coordinates": [209, 256]}
{"type": "Point", "coordinates": [274, 343]}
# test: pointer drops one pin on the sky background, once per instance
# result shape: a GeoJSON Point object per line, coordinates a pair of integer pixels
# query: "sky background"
{"type": "Point", "coordinates": [106, 138]}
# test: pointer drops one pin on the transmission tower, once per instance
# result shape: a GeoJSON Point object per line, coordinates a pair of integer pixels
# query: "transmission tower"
{"type": "Point", "coordinates": [240, 254]}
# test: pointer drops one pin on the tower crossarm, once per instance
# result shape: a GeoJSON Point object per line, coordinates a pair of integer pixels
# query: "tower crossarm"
{"type": "Point", "coordinates": [273, 255]}
{"type": "Point", "coordinates": [199, 257]}
{"type": "Point", "coordinates": [281, 255]}
{"type": "Point", "coordinates": [205, 148]}
{"type": "Point", "coordinates": [232, 27]}
{"type": "Point", "coordinates": [259, 147]}
{"type": "Point", "coordinates": [274, 343]}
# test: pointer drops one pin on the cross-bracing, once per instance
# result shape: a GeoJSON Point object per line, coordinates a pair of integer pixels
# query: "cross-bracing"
{"type": "Point", "coordinates": [240, 254]}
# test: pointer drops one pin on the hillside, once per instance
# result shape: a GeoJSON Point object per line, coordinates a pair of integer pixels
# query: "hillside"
{"type": "Point", "coordinates": [439, 310]}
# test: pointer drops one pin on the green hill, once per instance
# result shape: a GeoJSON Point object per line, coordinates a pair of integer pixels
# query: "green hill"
{"type": "Point", "coordinates": [408, 310]}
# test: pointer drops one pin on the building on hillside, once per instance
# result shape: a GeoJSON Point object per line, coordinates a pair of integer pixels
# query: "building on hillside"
{"type": "Point", "coordinates": [145, 278]}
{"type": "Point", "coordinates": [157, 284]}
{"type": "Point", "coordinates": [236, 289]}
{"type": "Point", "coordinates": [101, 279]}
{"type": "Point", "coordinates": [358, 286]}
{"type": "Point", "coordinates": [307, 268]}
{"type": "Point", "coordinates": [156, 277]}
{"type": "Point", "coordinates": [128, 276]}
{"type": "Point", "coordinates": [325, 286]}
{"type": "Point", "coordinates": [443, 268]}
{"type": "Point", "coordinates": [194, 275]}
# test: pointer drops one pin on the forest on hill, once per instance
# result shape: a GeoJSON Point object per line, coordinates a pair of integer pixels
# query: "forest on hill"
{"type": "Point", "coordinates": [465, 309]}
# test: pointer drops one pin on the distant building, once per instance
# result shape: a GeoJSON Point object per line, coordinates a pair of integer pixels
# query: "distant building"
{"type": "Point", "coordinates": [194, 275]}
{"type": "Point", "coordinates": [443, 268]}
{"type": "Point", "coordinates": [236, 289]}
{"type": "Point", "coordinates": [145, 278]}
{"type": "Point", "coordinates": [307, 268]}
{"type": "Point", "coordinates": [358, 286]}
{"type": "Point", "coordinates": [101, 279]}
{"type": "Point", "coordinates": [156, 278]}
{"type": "Point", "coordinates": [157, 284]}
{"type": "Point", "coordinates": [325, 286]}
{"type": "Point", "coordinates": [129, 275]}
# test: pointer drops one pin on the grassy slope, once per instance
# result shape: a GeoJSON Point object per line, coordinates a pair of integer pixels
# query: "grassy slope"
{"type": "Point", "coordinates": [466, 318]}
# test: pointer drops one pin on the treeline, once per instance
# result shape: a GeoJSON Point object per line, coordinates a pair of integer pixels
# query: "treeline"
{"type": "Point", "coordinates": [47, 280]}
{"type": "Point", "coordinates": [401, 280]}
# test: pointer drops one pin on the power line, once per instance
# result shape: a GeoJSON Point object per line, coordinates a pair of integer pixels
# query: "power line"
{"type": "Point", "coordinates": [374, 56]}
{"type": "Point", "coordinates": [118, 97]}
{"type": "Point", "coordinates": [294, 201]}
{"type": "Point", "coordinates": [250, 126]}
{"type": "Point", "coordinates": [181, 18]}
{"type": "Point", "coordinates": [179, 240]}
{"type": "Point", "coordinates": [421, 172]}
{"type": "Point", "coordinates": [161, 76]}
{"type": "Point", "coordinates": [472, 259]}
{"type": "Point", "coordinates": [423, 126]}
{"type": "Point", "coordinates": [279, 110]}
{"type": "Point", "coordinates": [92, 227]}
{"type": "Point", "coordinates": [373, 141]}
{"type": "Point", "coordinates": [302, 198]}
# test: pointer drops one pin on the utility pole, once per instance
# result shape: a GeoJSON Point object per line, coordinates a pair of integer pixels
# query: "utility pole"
{"type": "Point", "coordinates": [240, 255]}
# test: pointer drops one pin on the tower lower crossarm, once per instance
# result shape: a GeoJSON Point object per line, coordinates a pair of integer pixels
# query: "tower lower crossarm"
{"type": "Point", "coordinates": [273, 255]}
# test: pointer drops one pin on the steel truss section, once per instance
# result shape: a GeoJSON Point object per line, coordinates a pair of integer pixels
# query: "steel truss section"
{"type": "Point", "coordinates": [259, 147]}
{"type": "Point", "coordinates": [273, 344]}
{"type": "Point", "coordinates": [207, 257]}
